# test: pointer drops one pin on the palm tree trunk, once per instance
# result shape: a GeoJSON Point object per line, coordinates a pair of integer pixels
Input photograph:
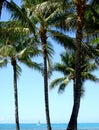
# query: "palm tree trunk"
{"type": "Point", "coordinates": [80, 7]}
{"type": "Point", "coordinates": [15, 94]}
{"type": "Point", "coordinates": [46, 94]}
{"type": "Point", "coordinates": [73, 119]}
{"type": "Point", "coordinates": [43, 39]}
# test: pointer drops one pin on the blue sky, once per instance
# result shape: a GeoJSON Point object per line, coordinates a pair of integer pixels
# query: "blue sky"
{"type": "Point", "coordinates": [31, 96]}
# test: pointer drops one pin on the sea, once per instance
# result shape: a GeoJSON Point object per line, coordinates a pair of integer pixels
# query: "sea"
{"type": "Point", "coordinates": [40, 126]}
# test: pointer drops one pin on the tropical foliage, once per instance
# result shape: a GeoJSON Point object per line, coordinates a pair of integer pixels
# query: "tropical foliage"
{"type": "Point", "coordinates": [31, 32]}
{"type": "Point", "coordinates": [67, 69]}
{"type": "Point", "coordinates": [13, 49]}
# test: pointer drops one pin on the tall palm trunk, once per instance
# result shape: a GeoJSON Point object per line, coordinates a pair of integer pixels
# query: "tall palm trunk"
{"type": "Point", "coordinates": [80, 7]}
{"type": "Point", "coordinates": [43, 39]}
{"type": "Point", "coordinates": [15, 94]}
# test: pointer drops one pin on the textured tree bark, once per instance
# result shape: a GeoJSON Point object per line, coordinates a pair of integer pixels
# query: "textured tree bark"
{"type": "Point", "coordinates": [15, 94]}
{"type": "Point", "coordinates": [43, 39]}
{"type": "Point", "coordinates": [80, 7]}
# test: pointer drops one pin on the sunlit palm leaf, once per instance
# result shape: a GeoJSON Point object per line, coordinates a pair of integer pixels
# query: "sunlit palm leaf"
{"type": "Point", "coordinates": [18, 13]}
{"type": "Point", "coordinates": [7, 51]}
{"type": "Point", "coordinates": [63, 85]}
{"type": "Point", "coordinates": [56, 82]}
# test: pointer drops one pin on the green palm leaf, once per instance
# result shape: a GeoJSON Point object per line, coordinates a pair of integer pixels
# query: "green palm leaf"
{"type": "Point", "coordinates": [7, 51]}
{"type": "Point", "coordinates": [18, 13]}
{"type": "Point", "coordinates": [64, 83]}
{"type": "Point", "coordinates": [89, 76]}
{"type": "Point", "coordinates": [56, 82]}
{"type": "Point", "coordinates": [3, 63]}
{"type": "Point", "coordinates": [62, 39]}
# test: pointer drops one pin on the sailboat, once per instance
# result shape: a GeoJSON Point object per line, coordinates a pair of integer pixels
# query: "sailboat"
{"type": "Point", "coordinates": [38, 123]}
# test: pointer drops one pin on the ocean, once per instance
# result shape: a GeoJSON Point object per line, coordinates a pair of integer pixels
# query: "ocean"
{"type": "Point", "coordinates": [81, 126]}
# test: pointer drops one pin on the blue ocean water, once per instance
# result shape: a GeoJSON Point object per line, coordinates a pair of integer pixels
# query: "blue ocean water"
{"type": "Point", "coordinates": [81, 126]}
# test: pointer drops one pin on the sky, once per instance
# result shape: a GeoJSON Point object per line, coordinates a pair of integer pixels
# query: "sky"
{"type": "Point", "coordinates": [31, 96]}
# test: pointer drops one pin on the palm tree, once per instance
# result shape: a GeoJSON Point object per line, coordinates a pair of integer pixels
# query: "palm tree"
{"type": "Point", "coordinates": [46, 15]}
{"type": "Point", "coordinates": [12, 48]}
{"type": "Point", "coordinates": [80, 10]}
{"type": "Point", "coordinates": [81, 27]}
{"type": "Point", "coordinates": [80, 7]}
{"type": "Point", "coordinates": [43, 14]}
{"type": "Point", "coordinates": [67, 69]}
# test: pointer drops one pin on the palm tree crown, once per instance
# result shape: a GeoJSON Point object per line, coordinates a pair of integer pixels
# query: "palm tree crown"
{"type": "Point", "coordinates": [67, 68]}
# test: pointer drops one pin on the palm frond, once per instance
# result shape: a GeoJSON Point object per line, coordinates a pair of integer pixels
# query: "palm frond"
{"type": "Point", "coordinates": [95, 41]}
{"type": "Point", "coordinates": [82, 91]}
{"type": "Point", "coordinates": [18, 71]}
{"type": "Point", "coordinates": [94, 3]}
{"type": "Point", "coordinates": [56, 82]}
{"type": "Point", "coordinates": [3, 62]}
{"type": "Point", "coordinates": [20, 14]}
{"type": "Point", "coordinates": [63, 85]}
{"type": "Point", "coordinates": [33, 65]}
{"type": "Point", "coordinates": [50, 63]}
{"type": "Point", "coordinates": [59, 67]}
{"type": "Point", "coordinates": [7, 51]}
{"type": "Point", "coordinates": [45, 8]}
{"type": "Point", "coordinates": [89, 76]}
{"type": "Point", "coordinates": [62, 39]}
{"type": "Point", "coordinates": [89, 67]}
{"type": "Point", "coordinates": [50, 51]}
{"type": "Point", "coordinates": [22, 53]}
{"type": "Point", "coordinates": [15, 28]}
